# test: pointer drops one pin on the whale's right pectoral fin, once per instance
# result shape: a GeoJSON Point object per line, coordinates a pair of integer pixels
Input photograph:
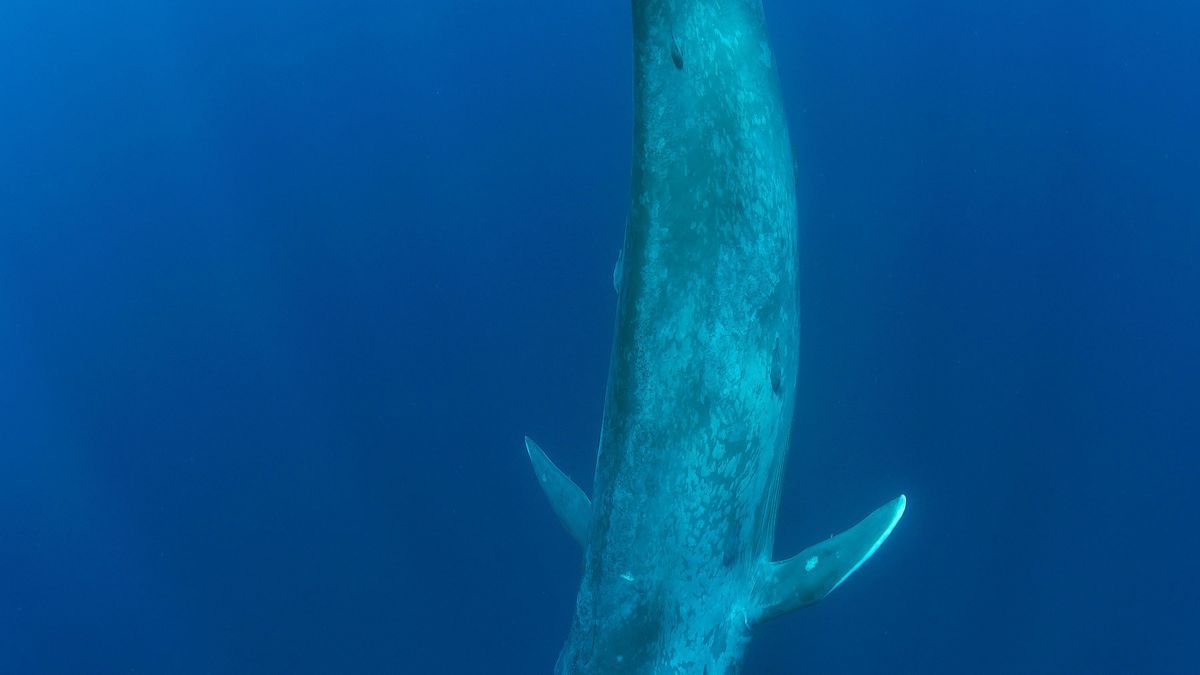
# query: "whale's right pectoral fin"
{"type": "Point", "coordinates": [569, 502]}
{"type": "Point", "coordinates": [806, 578]}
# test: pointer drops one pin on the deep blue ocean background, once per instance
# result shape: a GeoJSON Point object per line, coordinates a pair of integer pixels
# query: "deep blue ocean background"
{"type": "Point", "coordinates": [283, 284]}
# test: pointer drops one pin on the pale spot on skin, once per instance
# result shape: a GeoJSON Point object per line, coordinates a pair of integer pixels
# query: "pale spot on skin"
{"type": "Point", "coordinates": [811, 564]}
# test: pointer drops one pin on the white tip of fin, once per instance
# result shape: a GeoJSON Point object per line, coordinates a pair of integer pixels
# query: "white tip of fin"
{"type": "Point", "coordinates": [570, 504]}
{"type": "Point", "coordinates": [816, 571]}
{"type": "Point", "coordinates": [897, 511]}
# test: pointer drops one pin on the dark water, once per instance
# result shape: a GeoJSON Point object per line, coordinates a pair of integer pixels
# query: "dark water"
{"type": "Point", "coordinates": [282, 284]}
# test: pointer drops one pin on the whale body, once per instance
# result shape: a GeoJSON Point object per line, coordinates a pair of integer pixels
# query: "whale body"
{"type": "Point", "coordinates": [679, 531]}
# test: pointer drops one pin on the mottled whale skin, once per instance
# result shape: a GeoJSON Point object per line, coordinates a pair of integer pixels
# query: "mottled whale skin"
{"type": "Point", "coordinates": [678, 534]}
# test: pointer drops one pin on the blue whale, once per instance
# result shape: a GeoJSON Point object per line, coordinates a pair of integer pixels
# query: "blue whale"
{"type": "Point", "coordinates": [679, 532]}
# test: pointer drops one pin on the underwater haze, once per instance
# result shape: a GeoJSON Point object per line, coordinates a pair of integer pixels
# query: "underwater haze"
{"type": "Point", "coordinates": [283, 284]}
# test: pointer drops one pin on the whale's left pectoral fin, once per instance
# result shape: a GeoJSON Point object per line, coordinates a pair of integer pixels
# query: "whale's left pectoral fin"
{"type": "Point", "coordinates": [806, 578]}
{"type": "Point", "coordinates": [570, 503]}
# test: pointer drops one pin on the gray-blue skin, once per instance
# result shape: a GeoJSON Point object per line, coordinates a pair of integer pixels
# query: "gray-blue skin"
{"type": "Point", "coordinates": [678, 536]}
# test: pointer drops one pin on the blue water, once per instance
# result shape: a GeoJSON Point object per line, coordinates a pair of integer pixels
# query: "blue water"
{"type": "Point", "coordinates": [282, 284]}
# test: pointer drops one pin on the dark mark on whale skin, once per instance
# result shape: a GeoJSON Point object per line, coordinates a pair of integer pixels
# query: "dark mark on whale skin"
{"type": "Point", "coordinates": [776, 370]}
